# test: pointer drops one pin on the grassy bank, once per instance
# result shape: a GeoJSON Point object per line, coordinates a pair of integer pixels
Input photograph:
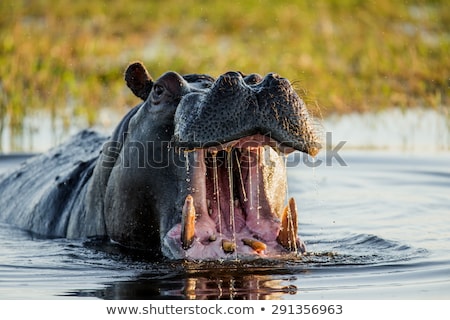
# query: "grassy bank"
{"type": "Point", "coordinates": [347, 55]}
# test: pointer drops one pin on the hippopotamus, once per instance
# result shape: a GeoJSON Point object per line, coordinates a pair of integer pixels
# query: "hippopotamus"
{"type": "Point", "coordinates": [195, 171]}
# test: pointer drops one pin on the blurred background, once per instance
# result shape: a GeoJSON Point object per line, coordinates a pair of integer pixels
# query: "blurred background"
{"type": "Point", "coordinates": [375, 73]}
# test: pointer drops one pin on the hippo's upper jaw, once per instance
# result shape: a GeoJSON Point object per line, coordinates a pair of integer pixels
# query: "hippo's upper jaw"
{"type": "Point", "coordinates": [237, 107]}
{"type": "Point", "coordinates": [234, 136]}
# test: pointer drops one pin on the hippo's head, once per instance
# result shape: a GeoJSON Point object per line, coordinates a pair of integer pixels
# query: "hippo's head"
{"type": "Point", "coordinates": [199, 172]}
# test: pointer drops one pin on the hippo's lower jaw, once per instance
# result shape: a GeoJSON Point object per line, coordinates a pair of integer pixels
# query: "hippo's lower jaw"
{"type": "Point", "coordinates": [236, 204]}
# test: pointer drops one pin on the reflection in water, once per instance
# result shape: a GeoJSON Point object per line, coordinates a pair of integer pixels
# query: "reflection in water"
{"type": "Point", "coordinates": [418, 129]}
{"type": "Point", "coordinates": [40, 130]}
{"type": "Point", "coordinates": [256, 287]}
{"type": "Point", "coordinates": [261, 279]}
{"type": "Point", "coordinates": [159, 278]}
{"type": "Point", "coordinates": [235, 282]}
{"type": "Point", "coordinates": [202, 281]}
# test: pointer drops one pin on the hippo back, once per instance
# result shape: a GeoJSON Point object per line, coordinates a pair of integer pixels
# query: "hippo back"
{"type": "Point", "coordinates": [45, 195]}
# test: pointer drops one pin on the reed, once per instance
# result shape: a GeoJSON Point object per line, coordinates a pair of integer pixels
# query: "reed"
{"type": "Point", "coordinates": [344, 55]}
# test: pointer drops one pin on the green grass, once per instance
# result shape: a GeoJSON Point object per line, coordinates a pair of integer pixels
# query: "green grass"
{"type": "Point", "coordinates": [343, 55]}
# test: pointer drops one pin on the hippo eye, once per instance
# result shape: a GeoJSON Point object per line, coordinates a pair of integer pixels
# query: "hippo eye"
{"type": "Point", "coordinates": [158, 90]}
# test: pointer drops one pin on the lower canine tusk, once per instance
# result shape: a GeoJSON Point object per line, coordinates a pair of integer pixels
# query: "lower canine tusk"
{"type": "Point", "coordinates": [188, 223]}
{"type": "Point", "coordinates": [288, 232]}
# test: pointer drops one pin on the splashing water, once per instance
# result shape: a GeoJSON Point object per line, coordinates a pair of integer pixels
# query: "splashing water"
{"type": "Point", "coordinates": [186, 158]}
{"type": "Point", "coordinates": [230, 184]}
{"type": "Point", "coordinates": [250, 179]}
{"type": "Point", "coordinates": [216, 189]}
{"type": "Point", "coordinates": [241, 178]}
{"type": "Point", "coordinates": [258, 205]}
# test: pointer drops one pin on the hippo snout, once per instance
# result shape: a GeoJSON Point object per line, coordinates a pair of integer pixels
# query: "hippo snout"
{"type": "Point", "coordinates": [237, 106]}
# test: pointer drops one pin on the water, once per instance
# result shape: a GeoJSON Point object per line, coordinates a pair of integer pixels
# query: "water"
{"type": "Point", "coordinates": [377, 228]}
{"type": "Point", "coordinates": [376, 223]}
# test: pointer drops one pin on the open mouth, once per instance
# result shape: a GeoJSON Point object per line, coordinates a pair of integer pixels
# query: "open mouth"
{"type": "Point", "coordinates": [236, 203]}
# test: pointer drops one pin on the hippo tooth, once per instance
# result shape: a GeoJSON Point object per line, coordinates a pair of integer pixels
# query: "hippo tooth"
{"type": "Point", "coordinates": [188, 223]}
{"type": "Point", "coordinates": [288, 232]}
{"type": "Point", "coordinates": [228, 246]}
{"type": "Point", "coordinates": [256, 245]}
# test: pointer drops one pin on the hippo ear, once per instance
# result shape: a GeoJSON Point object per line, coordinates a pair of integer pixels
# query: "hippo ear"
{"type": "Point", "coordinates": [138, 80]}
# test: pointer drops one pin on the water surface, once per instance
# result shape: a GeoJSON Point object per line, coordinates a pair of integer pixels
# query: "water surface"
{"type": "Point", "coordinates": [377, 228]}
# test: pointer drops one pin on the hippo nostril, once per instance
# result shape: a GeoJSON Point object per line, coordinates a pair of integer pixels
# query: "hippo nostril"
{"type": "Point", "coordinates": [253, 78]}
{"type": "Point", "coordinates": [229, 79]}
{"type": "Point", "coordinates": [272, 80]}
{"type": "Point", "coordinates": [232, 74]}
{"type": "Point", "coordinates": [274, 75]}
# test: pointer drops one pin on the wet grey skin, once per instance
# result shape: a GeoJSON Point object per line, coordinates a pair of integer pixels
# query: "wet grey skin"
{"type": "Point", "coordinates": [195, 171]}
